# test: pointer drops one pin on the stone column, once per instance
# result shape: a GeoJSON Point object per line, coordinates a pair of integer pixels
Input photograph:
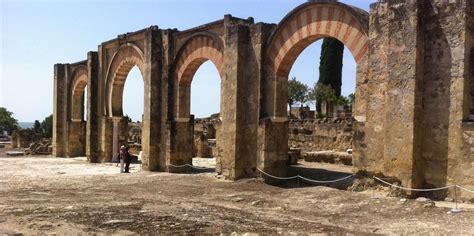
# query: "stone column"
{"type": "Point", "coordinates": [60, 110]}
{"type": "Point", "coordinates": [181, 144]}
{"type": "Point", "coordinates": [75, 143]}
{"type": "Point", "coordinates": [239, 103]}
{"type": "Point", "coordinates": [403, 104]}
{"type": "Point", "coordinates": [92, 128]}
{"type": "Point", "coordinates": [115, 135]}
{"type": "Point", "coordinates": [155, 111]}
{"type": "Point", "coordinates": [391, 131]}
{"type": "Point", "coordinates": [448, 79]}
{"type": "Point", "coordinates": [273, 147]}
{"type": "Point", "coordinates": [106, 137]}
{"type": "Point", "coordinates": [119, 133]}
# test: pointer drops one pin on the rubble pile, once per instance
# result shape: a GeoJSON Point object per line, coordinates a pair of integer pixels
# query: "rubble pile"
{"type": "Point", "coordinates": [44, 147]}
{"type": "Point", "coordinates": [205, 134]}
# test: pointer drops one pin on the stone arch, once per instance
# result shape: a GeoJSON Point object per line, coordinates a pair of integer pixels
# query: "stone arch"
{"type": "Point", "coordinates": [304, 25]}
{"type": "Point", "coordinates": [76, 125]}
{"type": "Point", "coordinates": [126, 57]}
{"type": "Point", "coordinates": [197, 50]}
{"type": "Point", "coordinates": [312, 21]}
{"type": "Point", "coordinates": [78, 85]}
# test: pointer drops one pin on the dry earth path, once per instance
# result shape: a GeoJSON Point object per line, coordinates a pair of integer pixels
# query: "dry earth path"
{"type": "Point", "coordinates": [71, 196]}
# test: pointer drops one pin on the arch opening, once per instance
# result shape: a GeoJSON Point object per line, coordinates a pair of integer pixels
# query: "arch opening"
{"type": "Point", "coordinates": [122, 62]}
{"type": "Point", "coordinates": [205, 110]}
{"type": "Point", "coordinates": [118, 85]}
{"type": "Point", "coordinates": [314, 137]}
{"type": "Point", "coordinates": [198, 75]}
{"type": "Point", "coordinates": [78, 114]}
{"type": "Point", "coordinates": [297, 31]}
{"type": "Point", "coordinates": [126, 79]}
{"type": "Point", "coordinates": [133, 110]}
{"type": "Point", "coordinates": [79, 99]}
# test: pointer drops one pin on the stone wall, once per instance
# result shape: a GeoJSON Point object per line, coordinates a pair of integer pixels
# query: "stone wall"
{"type": "Point", "coordinates": [76, 139]}
{"type": "Point", "coordinates": [320, 135]}
{"type": "Point", "coordinates": [414, 93]}
{"type": "Point", "coordinates": [23, 138]}
{"type": "Point", "coordinates": [305, 135]}
{"type": "Point", "coordinates": [442, 84]}
{"type": "Point", "coordinates": [205, 134]}
{"type": "Point", "coordinates": [134, 132]}
{"type": "Point", "coordinates": [420, 96]}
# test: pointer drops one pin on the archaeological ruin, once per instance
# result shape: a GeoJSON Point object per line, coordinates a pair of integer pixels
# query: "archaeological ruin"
{"type": "Point", "coordinates": [413, 117]}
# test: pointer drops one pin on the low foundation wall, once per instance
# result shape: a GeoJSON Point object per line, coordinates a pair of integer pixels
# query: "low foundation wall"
{"type": "Point", "coordinates": [320, 135]}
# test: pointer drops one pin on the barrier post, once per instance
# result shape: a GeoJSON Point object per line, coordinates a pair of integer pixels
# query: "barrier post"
{"type": "Point", "coordinates": [373, 190]}
{"type": "Point", "coordinates": [456, 209]}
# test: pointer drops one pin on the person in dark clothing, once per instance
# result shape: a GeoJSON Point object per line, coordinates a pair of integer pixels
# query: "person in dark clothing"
{"type": "Point", "coordinates": [122, 156]}
{"type": "Point", "coordinates": [128, 159]}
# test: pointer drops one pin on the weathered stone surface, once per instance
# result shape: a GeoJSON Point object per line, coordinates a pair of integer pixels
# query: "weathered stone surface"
{"type": "Point", "coordinates": [329, 157]}
{"type": "Point", "coordinates": [412, 112]}
{"type": "Point", "coordinates": [320, 135]}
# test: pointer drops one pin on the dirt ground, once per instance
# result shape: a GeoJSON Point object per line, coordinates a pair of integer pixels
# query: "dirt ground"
{"type": "Point", "coordinates": [71, 196]}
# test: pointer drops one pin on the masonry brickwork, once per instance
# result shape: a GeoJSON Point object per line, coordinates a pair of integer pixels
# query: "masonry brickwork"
{"type": "Point", "coordinates": [320, 135]}
{"type": "Point", "coordinates": [413, 107]}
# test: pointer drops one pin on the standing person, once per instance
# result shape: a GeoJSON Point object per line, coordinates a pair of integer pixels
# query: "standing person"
{"type": "Point", "coordinates": [123, 154]}
{"type": "Point", "coordinates": [128, 159]}
{"type": "Point", "coordinates": [116, 159]}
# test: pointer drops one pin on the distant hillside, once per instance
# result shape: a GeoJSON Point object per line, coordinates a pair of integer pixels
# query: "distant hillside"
{"type": "Point", "coordinates": [26, 125]}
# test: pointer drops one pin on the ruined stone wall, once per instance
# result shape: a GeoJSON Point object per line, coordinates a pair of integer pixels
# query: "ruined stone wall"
{"type": "Point", "coordinates": [443, 90]}
{"type": "Point", "coordinates": [205, 137]}
{"type": "Point", "coordinates": [134, 132]}
{"type": "Point", "coordinates": [414, 94]}
{"type": "Point", "coordinates": [419, 88]}
{"type": "Point", "coordinates": [456, 23]}
{"type": "Point", "coordinates": [320, 135]}
{"type": "Point", "coordinates": [306, 135]}
{"type": "Point", "coordinates": [24, 137]}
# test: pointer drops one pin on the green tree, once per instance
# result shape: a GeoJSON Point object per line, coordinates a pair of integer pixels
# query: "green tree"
{"type": "Point", "coordinates": [323, 92]}
{"type": "Point", "coordinates": [297, 92]}
{"type": "Point", "coordinates": [342, 100]}
{"type": "Point", "coordinates": [351, 98]}
{"type": "Point", "coordinates": [330, 67]}
{"type": "Point", "coordinates": [47, 126]}
{"type": "Point", "coordinates": [7, 122]}
{"type": "Point", "coordinates": [129, 120]}
{"type": "Point", "coordinates": [37, 127]}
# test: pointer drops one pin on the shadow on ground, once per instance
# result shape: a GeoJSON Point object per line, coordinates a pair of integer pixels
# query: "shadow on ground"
{"type": "Point", "coordinates": [317, 174]}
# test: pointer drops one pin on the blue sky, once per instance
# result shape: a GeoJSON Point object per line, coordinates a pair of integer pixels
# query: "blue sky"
{"type": "Point", "coordinates": [37, 34]}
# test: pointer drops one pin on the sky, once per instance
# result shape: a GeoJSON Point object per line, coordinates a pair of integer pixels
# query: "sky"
{"type": "Point", "coordinates": [36, 34]}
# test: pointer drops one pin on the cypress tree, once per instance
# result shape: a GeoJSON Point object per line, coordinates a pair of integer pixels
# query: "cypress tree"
{"type": "Point", "coordinates": [330, 67]}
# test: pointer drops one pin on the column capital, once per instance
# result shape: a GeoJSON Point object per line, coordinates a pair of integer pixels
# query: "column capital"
{"type": "Point", "coordinates": [116, 118]}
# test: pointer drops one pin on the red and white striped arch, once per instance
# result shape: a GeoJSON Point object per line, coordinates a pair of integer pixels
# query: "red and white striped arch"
{"type": "Point", "coordinates": [79, 81]}
{"type": "Point", "coordinates": [124, 59]}
{"type": "Point", "coordinates": [78, 86]}
{"type": "Point", "coordinates": [195, 52]}
{"type": "Point", "coordinates": [310, 23]}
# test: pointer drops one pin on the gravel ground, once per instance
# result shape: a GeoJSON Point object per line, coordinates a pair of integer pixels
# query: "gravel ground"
{"type": "Point", "coordinates": [70, 196]}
